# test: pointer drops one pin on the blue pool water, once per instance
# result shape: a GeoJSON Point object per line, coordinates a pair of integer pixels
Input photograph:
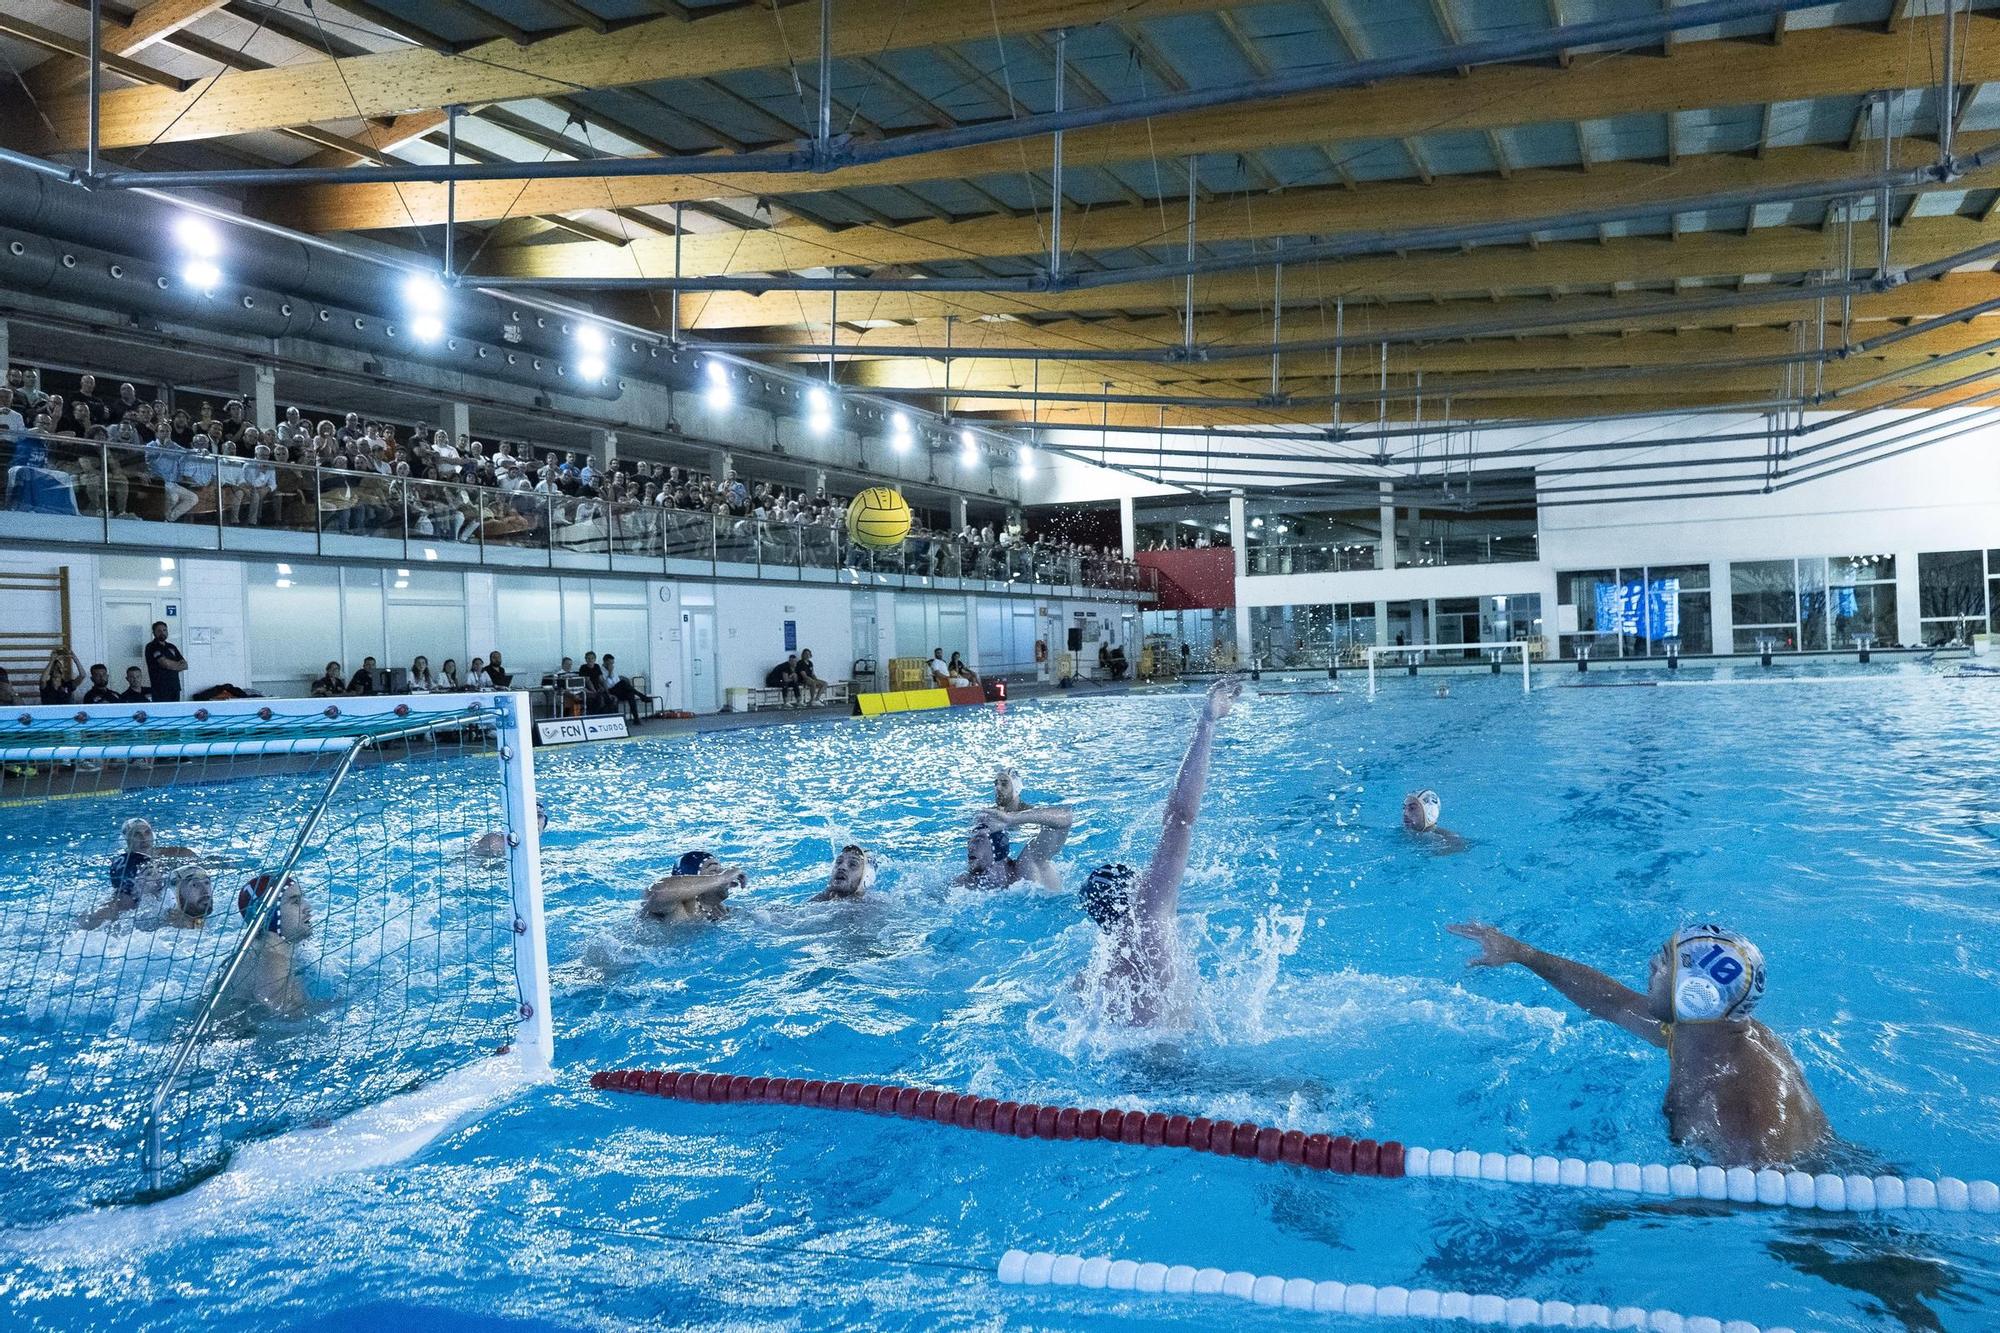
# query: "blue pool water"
{"type": "Point", "coordinates": [1849, 825]}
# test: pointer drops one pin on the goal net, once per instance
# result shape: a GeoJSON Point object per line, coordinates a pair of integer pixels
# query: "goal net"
{"type": "Point", "coordinates": [222, 922]}
{"type": "Point", "coordinates": [1496, 656]}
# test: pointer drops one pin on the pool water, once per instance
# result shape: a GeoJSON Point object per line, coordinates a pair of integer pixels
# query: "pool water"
{"type": "Point", "coordinates": [1848, 823]}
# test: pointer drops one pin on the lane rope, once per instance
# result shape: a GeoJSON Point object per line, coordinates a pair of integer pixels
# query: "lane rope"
{"type": "Point", "coordinates": [1359, 1299]}
{"type": "Point", "coordinates": [1227, 1138]}
{"type": "Point", "coordinates": [1770, 1187]}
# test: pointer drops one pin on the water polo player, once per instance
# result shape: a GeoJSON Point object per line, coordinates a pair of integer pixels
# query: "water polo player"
{"type": "Point", "coordinates": [694, 890]}
{"type": "Point", "coordinates": [1734, 1090]}
{"type": "Point", "coordinates": [1420, 816]}
{"type": "Point", "coordinates": [989, 859]}
{"type": "Point", "coordinates": [1135, 910]}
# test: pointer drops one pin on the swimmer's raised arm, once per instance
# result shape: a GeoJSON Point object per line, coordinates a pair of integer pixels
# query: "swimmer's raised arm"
{"type": "Point", "coordinates": [1160, 886]}
{"type": "Point", "coordinates": [1585, 987]}
{"type": "Point", "coordinates": [685, 888]}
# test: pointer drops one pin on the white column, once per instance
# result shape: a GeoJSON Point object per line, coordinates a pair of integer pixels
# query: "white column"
{"type": "Point", "coordinates": [961, 514]}
{"type": "Point", "coordinates": [1721, 613]}
{"type": "Point", "coordinates": [6, 347]}
{"type": "Point", "coordinates": [454, 419]}
{"type": "Point", "coordinates": [1385, 550]}
{"type": "Point", "coordinates": [603, 447]}
{"type": "Point", "coordinates": [1239, 549]}
{"type": "Point", "coordinates": [1381, 624]}
{"type": "Point", "coordinates": [720, 464]}
{"type": "Point", "coordinates": [1128, 527]}
{"type": "Point", "coordinates": [1909, 611]}
{"type": "Point", "coordinates": [259, 387]}
{"type": "Point", "coordinates": [819, 480]}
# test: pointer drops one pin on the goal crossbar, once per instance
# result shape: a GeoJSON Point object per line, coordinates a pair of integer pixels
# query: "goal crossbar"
{"type": "Point", "coordinates": [1491, 650]}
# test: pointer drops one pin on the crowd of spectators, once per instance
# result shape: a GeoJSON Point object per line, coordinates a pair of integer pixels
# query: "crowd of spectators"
{"type": "Point", "coordinates": [370, 477]}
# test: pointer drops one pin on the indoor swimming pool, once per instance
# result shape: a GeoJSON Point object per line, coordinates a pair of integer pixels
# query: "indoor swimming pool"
{"type": "Point", "coordinates": [1847, 821]}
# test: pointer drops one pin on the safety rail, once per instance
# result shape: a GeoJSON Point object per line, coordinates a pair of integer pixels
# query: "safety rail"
{"type": "Point", "coordinates": [69, 490]}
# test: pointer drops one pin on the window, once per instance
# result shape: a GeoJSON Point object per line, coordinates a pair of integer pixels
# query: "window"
{"type": "Point", "coordinates": [1861, 600]}
{"type": "Point", "coordinates": [294, 625]}
{"type": "Point", "coordinates": [1951, 595]}
{"type": "Point", "coordinates": [1638, 612]}
{"type": "Point", "coordinates": [1763, 599]}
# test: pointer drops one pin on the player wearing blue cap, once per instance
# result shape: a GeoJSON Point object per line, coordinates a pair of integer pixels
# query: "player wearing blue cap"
{"type": "Point", "coordinates": [1734, 1089]}
{"type": "Point", "coordinates": [1135, 909]}
{"type": "Point", "coordinates": [989, 859]}
{"type": "Point", "coordinates": [694, 890]}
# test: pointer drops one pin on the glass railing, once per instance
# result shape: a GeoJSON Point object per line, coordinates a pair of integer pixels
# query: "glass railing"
{"type": "Point", "coordinates": [59, 488]}
{"type": "Point", "coordinates": [1338, 559]}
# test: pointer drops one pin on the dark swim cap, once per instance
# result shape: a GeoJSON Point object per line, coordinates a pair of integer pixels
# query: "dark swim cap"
{"type": "Point", "coordinates": [247, 898]}
{"type": "Point", "coordinates": [1002, 847]}
{"type": "Point", "coordinates": [1107, 894]}
{"type": "Point", "coordinates": [691, 862]}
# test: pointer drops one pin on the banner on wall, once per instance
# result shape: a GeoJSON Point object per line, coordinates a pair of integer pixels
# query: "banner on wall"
{"type": "Point", "coordinates": [571, 730]}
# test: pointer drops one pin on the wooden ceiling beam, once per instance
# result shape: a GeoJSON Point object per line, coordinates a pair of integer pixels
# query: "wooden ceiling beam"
{"type": "Point", "coordinates": [1818, 63]}
{"type": "Point", "coordinates": [149, 24]}
{"type": "Point", "coordinates": [654, 50]}
{"type": "Point", "coordinates": [1556, 266]}
{"type": "Point", "coordinates": [1319, 211]}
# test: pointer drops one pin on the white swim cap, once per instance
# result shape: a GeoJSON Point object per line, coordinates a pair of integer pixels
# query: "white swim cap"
{"type": "Point", "coordinates": [1717, 974]}
{"type": "Point", "coordinates": [1427, 800]}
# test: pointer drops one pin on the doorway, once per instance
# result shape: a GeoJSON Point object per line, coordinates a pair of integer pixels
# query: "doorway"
{"type": "Point", "coordinates": [700, 650]}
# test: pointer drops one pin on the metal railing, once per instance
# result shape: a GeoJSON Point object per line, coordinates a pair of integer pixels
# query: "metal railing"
{"type": "Point", "coordinates": [65, 489]}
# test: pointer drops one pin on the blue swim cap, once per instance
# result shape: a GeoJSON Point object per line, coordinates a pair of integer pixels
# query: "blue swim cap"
{"type": "Point", "coordinates": [1716, 976]}
{"type": "Point", "coordinates": [692, 862]}
{"type": "Point", "coordinates": [1107, 894]}
{"type": "Point", "coordinates": [1002, 845]}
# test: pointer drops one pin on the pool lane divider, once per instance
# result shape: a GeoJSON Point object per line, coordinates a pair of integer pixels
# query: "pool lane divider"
{"type": "Point", "coordinates": [1226, 1138]}
{"type": "Point", "coordinates": [1825, 1192]}
{"type": "Point", "coordinates": [1355, 1299]}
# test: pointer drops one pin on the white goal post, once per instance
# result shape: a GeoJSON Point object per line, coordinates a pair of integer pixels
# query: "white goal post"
{"type": "Point", "coordinates": [1491, 651]}
{"type": "Point", "coordinates": [330, 901]}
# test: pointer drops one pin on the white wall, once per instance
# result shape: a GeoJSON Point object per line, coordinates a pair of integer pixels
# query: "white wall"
{"type": "Point", "coordinates": [750, 621]}
{"type": "Point", "coordinates": [1943, 498]}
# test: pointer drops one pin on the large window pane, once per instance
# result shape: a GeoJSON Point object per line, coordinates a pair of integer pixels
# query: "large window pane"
{"type": "Point", "coordinates": [1678, 609]}
{"type": "Point", "coordinates": [1592, 594]}
{"type": "Point", "coordinates": [1951, 594]}
{"type": "Point", "coordinates": [528, 625]}
{"type": "Point", "coordinates": [1763, 598]}
{"type": "Point", "coordinates": [361, 616]}
{"type": "Point", "coordinates": [1861, 599]}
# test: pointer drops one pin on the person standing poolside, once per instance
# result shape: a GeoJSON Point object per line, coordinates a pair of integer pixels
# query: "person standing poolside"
{"type": "Point", "coordinates": [1734, 1089]}
{"type": "Point", "coordinates": [165, 665]}
{"type": "Point", "coordinates": [1136, 910]}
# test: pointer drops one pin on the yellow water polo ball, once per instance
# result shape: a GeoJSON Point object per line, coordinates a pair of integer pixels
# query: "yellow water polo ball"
{"type": "Point", "coordinates": [879, 519]}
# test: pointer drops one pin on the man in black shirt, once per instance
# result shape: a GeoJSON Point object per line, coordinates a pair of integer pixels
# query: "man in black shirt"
{"type": "Point", "coordinates": [100, 691]}
{"type": "Point", "coordinates": [164, 665]}
{"type": "Point", "coordinates": [135, 691]}
{"type": "Point", "coordinates": [501, 679]}
{"type": "Point", "coordinates": [368, 680]}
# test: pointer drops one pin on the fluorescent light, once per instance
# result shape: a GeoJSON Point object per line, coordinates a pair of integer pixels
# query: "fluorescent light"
{"type": "Point", "coordinates": [899, 432]}
{"type": "Point", "coordinates": [427, 328]}
{"type": "Point", "coordinates": [970, 446]}
{"type": "Point", "coordinates": [402, 583]}
{"type": "Point", "coordinates": [424, 292]}
{"type": "Point", "coordinates": [166, 562]}
{"type": "Point", "coordinates": [284, 583]}
{"type": "Point", "coordinates": [402, 573]}
{"type": "Point", "coordinates": [1027, 464]}
{"type": "Point", "coordinates": [197, 236]}
{"type": "Point", "coordinates": [166, 581]}
{"type": "Point", "coordinates": [1256, 522]}
{"type": "Point", "coordinates": [819, 409]}
{"type": "Point", "coordinates": [718, 394]}
{"type": "Point", "coordinates": [591, 367]}
{"type": "Point", "coordinates": [590, 338]}
{"type": "Point", "coordinates": [284, 569]}
{"type": "Point", "coordinates": [201, 275]}
{"type": "Point", "coordinates": [430, 553]}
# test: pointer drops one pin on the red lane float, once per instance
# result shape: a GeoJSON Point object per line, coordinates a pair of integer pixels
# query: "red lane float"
{"type": "Point", "coordinates": [1152, 1129]}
